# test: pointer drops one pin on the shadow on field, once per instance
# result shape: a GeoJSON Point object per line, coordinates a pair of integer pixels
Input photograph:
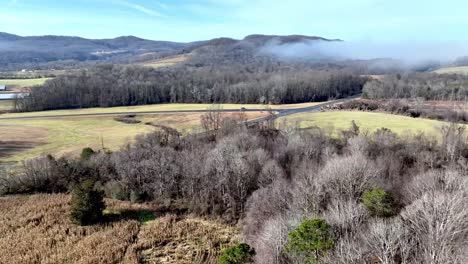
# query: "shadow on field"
{"type": "Point", "coordinates": [142, 216]}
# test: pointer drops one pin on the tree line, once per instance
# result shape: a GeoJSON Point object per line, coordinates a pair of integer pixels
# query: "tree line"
{"type": "Point", "coordinates": [116, 85]}
{"type": "Point", "coordinates": [429, 86]}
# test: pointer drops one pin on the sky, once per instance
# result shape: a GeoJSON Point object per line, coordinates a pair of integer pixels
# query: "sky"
{"type": "Point", "coordinates": [190, 20]}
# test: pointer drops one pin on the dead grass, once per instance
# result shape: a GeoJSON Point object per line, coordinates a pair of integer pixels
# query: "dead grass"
{"type": "Point", "coordinates": [188, 240]}
{"type": "Point", "coordinates": [36, 229]}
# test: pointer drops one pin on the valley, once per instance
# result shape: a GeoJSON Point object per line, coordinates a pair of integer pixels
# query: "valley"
{"type": "Point", "coordinates": [228, 147]}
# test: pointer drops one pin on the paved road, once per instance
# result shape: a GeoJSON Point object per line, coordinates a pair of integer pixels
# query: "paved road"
{"type": "Point", "coordinates": [280, 112]}
{"type": "Point", "coordinates": [315, 108]}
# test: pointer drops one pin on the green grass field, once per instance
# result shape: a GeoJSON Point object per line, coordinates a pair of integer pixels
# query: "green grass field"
{"type": "Point", "coordinates": [69, 135]}
{"type": "Point", "coordinates": [341, 120]}
{"type": "Point", "coordinates": [29, 138]}
{"type": "Point", "coordinates": [448, 70]}
{"type": "Point", "coordinates": [60, 137]}
{"type": "Point", "coordinates": [22, 83]}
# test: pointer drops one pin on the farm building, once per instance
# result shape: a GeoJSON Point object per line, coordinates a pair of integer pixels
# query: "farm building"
{"type": "Point", "coordinates": [2, 87]}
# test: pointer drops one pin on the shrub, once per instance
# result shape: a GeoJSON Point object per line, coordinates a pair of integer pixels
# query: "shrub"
{"type": "Point", "coordinates": [237, 254]}
{"type": "Point", "coordinates": [87, 204]}
{"type": "Point", "coordinates": [378, 202]}
{"type": "Point", "coordinates": [87, 153]}
{"type": "Point", "coordinates": [139, 196]}
{"type": "Point", "coordinates": [310, 240]}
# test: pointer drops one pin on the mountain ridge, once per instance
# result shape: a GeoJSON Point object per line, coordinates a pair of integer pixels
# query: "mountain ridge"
{"type": "Point", "coordinates": [33, 51]}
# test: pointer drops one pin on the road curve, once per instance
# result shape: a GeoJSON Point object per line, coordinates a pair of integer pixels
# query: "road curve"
{"type": "Point", "coordinates": [279, 112]}
{"type": "Point", "coordinates": [314, 108]}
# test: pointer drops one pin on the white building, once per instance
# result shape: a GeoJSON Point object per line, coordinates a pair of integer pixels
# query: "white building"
{"type": "Point", "coordinates": [2, 87]}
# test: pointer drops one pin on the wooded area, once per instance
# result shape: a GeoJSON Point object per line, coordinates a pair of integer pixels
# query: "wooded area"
{"type": "Point", "coordinates": [113, 85]}
{"type": "Point", "coordinates": [273, 180]}
{"type": "Point", "coordinates": [429, 86]}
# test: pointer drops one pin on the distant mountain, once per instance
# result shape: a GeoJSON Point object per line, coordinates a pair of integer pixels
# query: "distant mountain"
{"type": "Point", "coordinates": [8, 37]}
{"type": "Point", "coordinates": [32, 52]}
{"type": "Point", "coordinates": [251, 49]}
{"type": "Point", "coordinates": [40, 49]}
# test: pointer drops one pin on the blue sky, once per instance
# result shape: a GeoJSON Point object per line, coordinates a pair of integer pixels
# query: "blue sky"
{"type": "Point", "coordinates": [188, 20]}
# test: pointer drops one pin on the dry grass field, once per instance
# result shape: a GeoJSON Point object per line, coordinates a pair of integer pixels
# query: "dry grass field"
{"type": "Point", "coordinates": [36, 229]}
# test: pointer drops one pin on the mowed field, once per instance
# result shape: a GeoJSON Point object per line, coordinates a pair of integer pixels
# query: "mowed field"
{"type": "Point", "coordinates": [449, 70]}
{"type": "Point", "coordinates": [334, 121]}
{"type": "Point", "coordinates": [18, 84]}
{"type": "Point", "coordinates": [28, 138]}
{"type": "Point", "coordinates": [37, 229]}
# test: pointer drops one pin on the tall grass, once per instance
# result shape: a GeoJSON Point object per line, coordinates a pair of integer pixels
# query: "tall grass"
{"type": "Point", "coordinates": [36, 229]}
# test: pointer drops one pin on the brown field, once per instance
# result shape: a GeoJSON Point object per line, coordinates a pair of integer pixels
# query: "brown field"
{"type": "Point", "coordinates": [36, 229]}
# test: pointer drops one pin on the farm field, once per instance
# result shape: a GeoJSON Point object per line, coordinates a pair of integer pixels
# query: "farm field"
{"type": "Point", "coordinates": [448, 70]}
{"type": "Point", "coordinates": [18, 84]}
{"type": "Point", "coordinates": [367, 121]}
{"type": "Point", "coordinates": [36, 229]}
{"type": "Point", "coordinates": [29, 138]}
{"type": "Point", "coordinates": [35, 74]}
{"type": "Point", "coordinates": [154, 107]}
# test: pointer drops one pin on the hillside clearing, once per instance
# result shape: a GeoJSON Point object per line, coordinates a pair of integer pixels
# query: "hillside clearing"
{"type": "Point", "coordinates": [36, 229]}
{"type": "Point", "coordinates": [367, 121]}
{"type": "Point", "coordinates": [167, 62]}
{"type": "Point", "coordinates": [451, 70]}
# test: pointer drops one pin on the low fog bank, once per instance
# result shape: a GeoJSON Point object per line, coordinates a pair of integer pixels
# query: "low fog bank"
{"type": "Point", "coordinates": [409, 54]}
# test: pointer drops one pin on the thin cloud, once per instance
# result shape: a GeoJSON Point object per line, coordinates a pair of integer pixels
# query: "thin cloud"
{"type": "Point", "coordinates": [139, 8]}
